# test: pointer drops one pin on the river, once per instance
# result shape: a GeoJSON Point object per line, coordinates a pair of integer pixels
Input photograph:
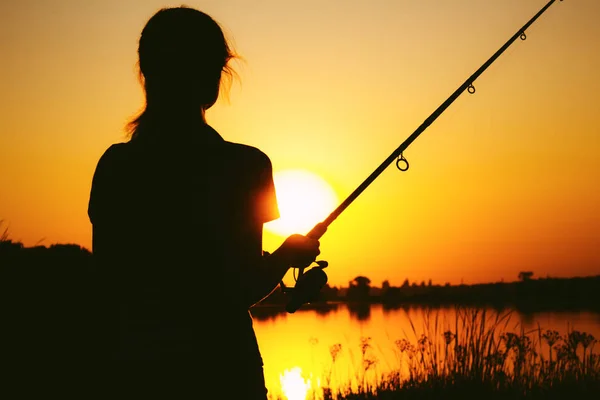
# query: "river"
{"type": "Point", "coordinates": [299, 349]}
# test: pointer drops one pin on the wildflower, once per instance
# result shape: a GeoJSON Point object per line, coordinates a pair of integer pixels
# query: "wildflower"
{"type": "Point", "coordinates": [449, 337]}
{"type": "Point", "coordinates": [551, 337]}
{"type": "Point", "coordinates": [403, 345]}
{"type": "Point", "coordinates": [423, 342]}
{"type": "Point", "coordinates": [368, 363]}
{"type": "Point", "coordinates": [586, 340]}
{"type": "Point", "coordinates": [510, 339]}
{"type": "Point", "coordinates": [365, 344]}
{"type": "Point", "coordinates": [335, 350]}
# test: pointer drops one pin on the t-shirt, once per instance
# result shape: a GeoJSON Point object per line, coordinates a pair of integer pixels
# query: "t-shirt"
{"type": "Point", "coordinates": [171, 221]}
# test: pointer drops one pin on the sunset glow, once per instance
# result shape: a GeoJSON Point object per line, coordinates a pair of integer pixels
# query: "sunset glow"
{"type": "Point", "coordinates": [505, 180]}
{"type": "Point", "coordinates": [304, 200]}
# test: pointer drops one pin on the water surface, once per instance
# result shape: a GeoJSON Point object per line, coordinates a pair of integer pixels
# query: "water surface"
{"type": "Point", "coordinates": [298, 349]}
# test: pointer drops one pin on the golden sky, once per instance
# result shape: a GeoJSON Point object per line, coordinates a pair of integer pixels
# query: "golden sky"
{"type": "Point", "coordinates": [505, 180]}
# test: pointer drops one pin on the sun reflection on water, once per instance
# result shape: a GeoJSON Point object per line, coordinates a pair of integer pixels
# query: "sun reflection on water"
{"type": "Point", "coordinates": [293, 385]}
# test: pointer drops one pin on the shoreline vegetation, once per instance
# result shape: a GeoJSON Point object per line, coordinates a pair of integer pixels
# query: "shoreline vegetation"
{"type": "Point", "coordinates": [479, 358]}
{"type": "Point", "coordinates": [526, 296]}
{"type": "Point", "coordinates": [60, 262]}
{"type": "Point", "coordinates": [43, 290]}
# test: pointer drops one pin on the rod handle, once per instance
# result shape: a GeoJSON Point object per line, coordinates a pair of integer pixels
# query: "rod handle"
{"type": "Point", "coordinates": [318, 230]}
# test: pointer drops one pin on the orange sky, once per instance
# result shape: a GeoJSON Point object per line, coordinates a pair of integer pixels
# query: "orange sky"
{"type": "Point", "coordinates": [505, 180]}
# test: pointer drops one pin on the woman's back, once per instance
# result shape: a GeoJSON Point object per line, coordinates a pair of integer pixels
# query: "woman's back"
{"type": "Point", "coordinates": [170, 222]}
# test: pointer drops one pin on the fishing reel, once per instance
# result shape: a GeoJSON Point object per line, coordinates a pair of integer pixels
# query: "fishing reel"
{"type": "Point", "coordinates": [308, 286]}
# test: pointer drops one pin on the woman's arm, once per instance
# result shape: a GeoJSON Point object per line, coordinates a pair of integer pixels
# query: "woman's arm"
{"type": "Point", "coordinates": [265, 273]}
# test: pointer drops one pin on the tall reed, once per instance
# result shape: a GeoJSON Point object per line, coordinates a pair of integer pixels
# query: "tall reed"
{"type": "Point", "coordinates": [482, 355]}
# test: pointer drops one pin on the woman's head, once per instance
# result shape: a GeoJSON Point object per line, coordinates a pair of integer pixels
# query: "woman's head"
{"type": "Point", "coordinates": [183, 55]}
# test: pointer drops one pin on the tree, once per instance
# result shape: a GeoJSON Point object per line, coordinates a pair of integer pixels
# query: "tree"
{"type": "Point", "coordinates": [359, 288]}
{"type": "Point", "coordinates": [525, 276]}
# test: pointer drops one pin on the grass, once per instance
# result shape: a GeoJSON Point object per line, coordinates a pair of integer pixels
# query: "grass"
{"type": "Point", "coordinates": [480, 358]}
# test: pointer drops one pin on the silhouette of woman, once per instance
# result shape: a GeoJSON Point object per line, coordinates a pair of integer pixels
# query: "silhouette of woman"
{"type": "Point", "coordinates": [177, 215]}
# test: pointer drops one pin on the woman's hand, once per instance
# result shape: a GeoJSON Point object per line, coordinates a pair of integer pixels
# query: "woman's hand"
{"type": "Point", "coordinates": [302, 250]}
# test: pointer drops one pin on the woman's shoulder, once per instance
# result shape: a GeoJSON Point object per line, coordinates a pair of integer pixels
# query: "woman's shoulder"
{"type": "Point", "coordinates": [248, 155]}
{"type": "Point", "coordinates": [114, 152]}
{"type": "Point", "coordinates": [111, 163]}
{"type": "Point", "coordinates": [116, 157]}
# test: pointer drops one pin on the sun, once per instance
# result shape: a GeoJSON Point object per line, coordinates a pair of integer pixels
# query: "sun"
{"type": "Point", "coordinates": [304, 199]}
{"type": "Point", "coordinates": [293, 385]}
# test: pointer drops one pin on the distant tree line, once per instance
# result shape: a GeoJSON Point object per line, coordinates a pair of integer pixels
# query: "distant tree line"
{"type": "Point", "coordinates": [526, 295]}
{"type": "Point", "coordinates": [44, 279]}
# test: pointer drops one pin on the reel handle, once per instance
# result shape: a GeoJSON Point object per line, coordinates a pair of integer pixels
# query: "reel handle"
{"type": "Point", "coordinates": [315, 233]}
{"type": "Point", "coordinates": [307, 287]}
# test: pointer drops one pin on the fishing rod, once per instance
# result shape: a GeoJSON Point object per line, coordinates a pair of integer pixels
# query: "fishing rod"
{"type": "Point", "coordinates": [309, 284]}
